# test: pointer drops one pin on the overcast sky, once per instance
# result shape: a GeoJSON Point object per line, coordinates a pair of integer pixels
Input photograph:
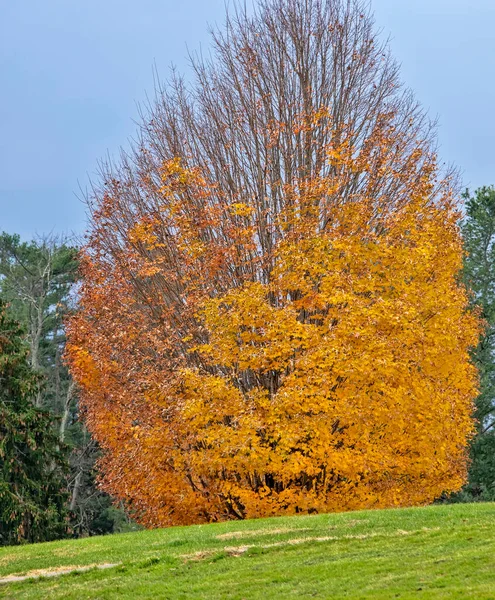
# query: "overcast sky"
{"type": "Point", "coordinates": [72, 72]}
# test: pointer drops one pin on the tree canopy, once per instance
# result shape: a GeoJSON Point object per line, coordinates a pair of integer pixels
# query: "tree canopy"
{"type": "Point", "coordinates": [271, 315]}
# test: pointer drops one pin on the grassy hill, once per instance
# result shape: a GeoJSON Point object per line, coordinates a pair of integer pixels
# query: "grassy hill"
{"type": "Point", "coordinates": [432, 552]}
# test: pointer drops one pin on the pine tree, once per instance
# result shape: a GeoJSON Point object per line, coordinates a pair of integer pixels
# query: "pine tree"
{"type": "Point", "coordinates": [479, 273]}
{"type": "Point", "coordinates": [32, 500]}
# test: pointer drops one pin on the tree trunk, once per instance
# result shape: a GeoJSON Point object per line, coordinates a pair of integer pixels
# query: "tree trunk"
{"type": "Point", "coordinates": [65, 415]}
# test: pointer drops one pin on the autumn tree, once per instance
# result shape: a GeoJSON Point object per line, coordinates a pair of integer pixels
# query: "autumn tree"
{"type": "Point", "coordinates": [271, 316]}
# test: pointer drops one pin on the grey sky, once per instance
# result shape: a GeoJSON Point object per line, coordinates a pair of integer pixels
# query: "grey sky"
{"type": "Point", "coordinates": [72, 72]}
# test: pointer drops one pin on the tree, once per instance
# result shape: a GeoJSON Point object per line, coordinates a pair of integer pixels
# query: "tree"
{"type": "Point", "coordinates": [32, 500]}
{"type": "Point", "coordinates": [270, 318]}
{"type": "Point", "coordinates": [479, 273]}
{"type": "Point", "coordinates": [39, 281]}
{"type": "Point", "coordinates": [36, 280]}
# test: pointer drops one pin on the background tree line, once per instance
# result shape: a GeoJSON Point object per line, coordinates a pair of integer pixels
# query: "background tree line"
{"type": "Point", "coordinates": [38, 288]}
{"type": "Point", "coordinates": [478, 230]}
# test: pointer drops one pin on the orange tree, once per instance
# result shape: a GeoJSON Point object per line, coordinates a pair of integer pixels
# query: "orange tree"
{"type": "Point", "coordinates": [271, 319]}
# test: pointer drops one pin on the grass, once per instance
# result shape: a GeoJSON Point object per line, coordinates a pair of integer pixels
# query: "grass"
{"type": "Point", "coordinates": [433, 552]}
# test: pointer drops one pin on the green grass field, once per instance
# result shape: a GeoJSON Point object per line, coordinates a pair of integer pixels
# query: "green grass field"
{"type": "Point", "coordinates": [433, 552]}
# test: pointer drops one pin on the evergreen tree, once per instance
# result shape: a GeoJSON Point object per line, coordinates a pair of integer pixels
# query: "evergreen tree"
{"type": "Point", "coordinates": [32, 500]}
{"type": "Point", "coordinates": [479, 273]}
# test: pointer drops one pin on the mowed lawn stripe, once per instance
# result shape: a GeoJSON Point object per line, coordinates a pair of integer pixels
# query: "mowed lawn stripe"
{"type": "Point", "coordinates": [432, 552]}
